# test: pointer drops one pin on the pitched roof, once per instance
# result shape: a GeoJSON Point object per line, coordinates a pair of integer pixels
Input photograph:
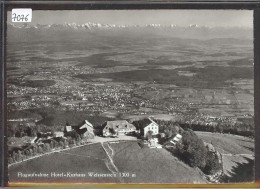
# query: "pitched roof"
{"type": "Point", "coordinates": [85, 125]}
{"type": "Point", "coordinates": [140, 124]}
{"type": "Point", "coordinates": [117, 124]}
{"type": "Point", "coordinates": [88, 123]}
{"type": "Point", "coordinates": [177, 138]}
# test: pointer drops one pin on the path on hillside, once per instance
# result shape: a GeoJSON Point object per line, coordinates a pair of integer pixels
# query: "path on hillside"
{"type": "Point", "coordinates": [234, 149]}
{"type": "Point", "coordinates": [110, 163]}
{"type": "Point", "coordinates": [112, 151]}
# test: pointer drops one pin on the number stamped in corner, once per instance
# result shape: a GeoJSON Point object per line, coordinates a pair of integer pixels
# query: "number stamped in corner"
{"type": "Point", "coordinates": [21, 15]}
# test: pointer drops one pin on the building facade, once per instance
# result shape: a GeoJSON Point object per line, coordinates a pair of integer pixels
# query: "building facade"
{"type": "Point", "coordinates": [152, 126]}
{"type": "Point", "coordinates": [119, 127]}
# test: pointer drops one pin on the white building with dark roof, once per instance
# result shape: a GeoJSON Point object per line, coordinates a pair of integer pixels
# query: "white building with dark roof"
{"type": "Point", "coordinates": [146, 125]}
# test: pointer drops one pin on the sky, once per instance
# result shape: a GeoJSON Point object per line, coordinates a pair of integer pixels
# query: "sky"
{"type": "Point", "coordinates": [212, 18]}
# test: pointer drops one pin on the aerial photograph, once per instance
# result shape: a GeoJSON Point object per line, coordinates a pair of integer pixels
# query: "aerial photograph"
{"type": "Point", "coordinates": [130, 96]}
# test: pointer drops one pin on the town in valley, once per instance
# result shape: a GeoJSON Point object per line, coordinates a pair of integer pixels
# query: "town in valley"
{"type": "Point", "coordinates": [146, 101]}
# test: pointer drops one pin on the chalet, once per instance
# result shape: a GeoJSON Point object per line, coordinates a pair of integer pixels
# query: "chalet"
{"type": "Point", "coordinates": [89, 129]}
{"type": "Point", "coordinates": [146, 125]}
{"type": "Point", "coordinates": [85, 130]}
{"type": "Point", "coordinates": [119, 127]}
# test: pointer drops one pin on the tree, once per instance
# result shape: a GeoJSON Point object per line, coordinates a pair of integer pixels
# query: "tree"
{"type": "Point", "coordinates": [219, 128]}
{"type": "Point", "coordinates": [18, 134]}
{"type": "Point", "coordinates": [35, 150]}
{"type": "Point", "coordinates": [168, 133]}
{"type": "Point", "coordinates": [56, 103]}
{"type": "Point", "coordinates": [72, 142]}
{"type": "Point", "coordinates": [40, 150]}
{"type": "Point", "coordinates": [193, 150]}
{"type": "Point", "coordinates": [212, 163]}
{"type": "Point", "coordinates": [10, 159]}
{"type": "Point", "coordinates": [51, 145]}
{"type": "Point", "coordinates": [29, 131]}
{"type": "Point", "coordinates": [149, 135]}
{"type": "Point", "coordinates": [56, 144]}
{"type": "Point", "coordinates": [11, 130]}
{"type": "Point", "coordinates": [48, 148]}
{"type": "Point", "coordinates": [39, 135]}
{"type": "Point", "coordinates": [61, 144]}
{"type": "Point", "coordinates": [66, 144]}
{"type": "Point", "coordinates": [44, 147]}
{"type": "Point", "coordinates": [31, 152]}
{"type": "Point", "coordinates": [19, 153]}
{"type": "Point", "coordinates": [27, 153]}
{"type": "Point", "coordinates": [15, 156]}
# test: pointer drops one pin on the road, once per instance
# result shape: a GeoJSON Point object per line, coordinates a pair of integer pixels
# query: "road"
{"type": "Point", "coordinates": [235, 150]}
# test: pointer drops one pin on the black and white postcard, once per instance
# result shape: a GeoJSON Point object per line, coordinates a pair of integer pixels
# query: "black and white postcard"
{"type": "Point", "coordinates": [131, 96]}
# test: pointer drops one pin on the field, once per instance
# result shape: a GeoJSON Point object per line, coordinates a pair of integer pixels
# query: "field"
{"type": "Point", "coordinates": [35, 83]}
{"type": "Point", "coordinates": [152, 165]}
{"type": "Point", "coordinates": [208, 77]}
{"type": "Point", "coordinates": [237, 153]}
{"type": "Point", "coordinates": [81, 160]}
{"type": "Point", "coordinates": [143, 165]}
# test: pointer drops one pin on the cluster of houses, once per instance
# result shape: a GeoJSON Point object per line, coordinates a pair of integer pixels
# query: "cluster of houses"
{"type": "Point", "coordinates": [123, 127]}
{"type": "Point", "coordinates": [146, 128]}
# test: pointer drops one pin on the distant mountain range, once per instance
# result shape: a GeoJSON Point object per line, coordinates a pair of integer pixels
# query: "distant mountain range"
{"type": "Point", "coordinates": [91, 25]}
{"type": "Point", "coordinates": [193, 31]}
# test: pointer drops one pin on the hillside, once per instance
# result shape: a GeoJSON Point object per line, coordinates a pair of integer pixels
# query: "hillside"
{"type": "Point", "coordinates": [142, 165]}
{"type": "Point", "coordinates": [237, 153]}
{"type": "Point", "coordinates": [81, 161]}
{"type": "Point", "coordinates": [152, 165]}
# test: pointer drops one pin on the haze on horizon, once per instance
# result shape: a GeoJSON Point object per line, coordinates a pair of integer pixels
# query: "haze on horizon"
{"type": "Point", "coordinates": [211, 18]}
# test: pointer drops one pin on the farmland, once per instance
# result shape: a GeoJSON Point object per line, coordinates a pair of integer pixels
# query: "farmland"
{"type": "Point", "coordinates": [183, 78]}
{"type": "Point", "coordinates": [214, 76]}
